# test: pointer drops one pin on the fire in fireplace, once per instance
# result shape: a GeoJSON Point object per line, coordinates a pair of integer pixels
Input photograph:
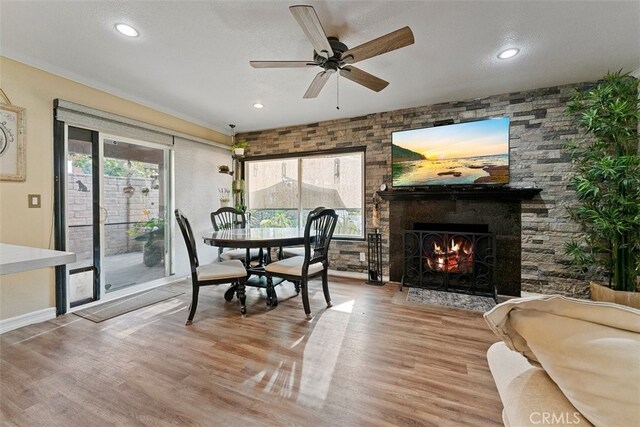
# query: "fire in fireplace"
{"type": "Point", "coordinates": [455, 255]}
{"type": "Point", "coordinates": [457, 260]}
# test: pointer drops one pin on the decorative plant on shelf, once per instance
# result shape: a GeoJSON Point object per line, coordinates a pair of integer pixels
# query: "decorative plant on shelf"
{"type": "Point", "coordinates": [607, 180]}
{"type": "Point", "coordinates": [225, 196]}
{"type": "Point", "coordinates": [150, 231]}
{"type": "Point", "coordinates": [239, 146]}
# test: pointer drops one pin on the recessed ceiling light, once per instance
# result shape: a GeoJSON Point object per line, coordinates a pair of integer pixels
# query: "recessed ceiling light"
{"type": "Point", "coordinates": [127, 30]}
{"type": "Point", "coordinates": [508, 53]}
{"type": "Point", "coordinates": [258, 105]}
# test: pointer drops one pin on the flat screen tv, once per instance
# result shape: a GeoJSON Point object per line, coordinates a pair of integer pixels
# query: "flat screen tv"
{"type": "Point", "coordinates": [472, 153]}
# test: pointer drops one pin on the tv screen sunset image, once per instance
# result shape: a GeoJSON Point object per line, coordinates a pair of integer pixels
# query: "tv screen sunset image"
{"type": "Point", "coordinates": [465, 153]}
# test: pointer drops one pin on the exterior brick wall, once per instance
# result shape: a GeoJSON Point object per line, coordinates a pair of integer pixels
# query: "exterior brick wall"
{"type": "Point", "coordinates": [538, 131]}
{"type": "Point", "coordinates": [119, 209]}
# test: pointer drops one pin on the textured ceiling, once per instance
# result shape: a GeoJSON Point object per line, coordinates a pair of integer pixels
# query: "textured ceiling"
{"type": "Point", "coordinates": [191, 59]}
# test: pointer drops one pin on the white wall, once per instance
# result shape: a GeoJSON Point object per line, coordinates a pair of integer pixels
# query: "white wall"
{"type": "Point", "coordinates": [196, 194]}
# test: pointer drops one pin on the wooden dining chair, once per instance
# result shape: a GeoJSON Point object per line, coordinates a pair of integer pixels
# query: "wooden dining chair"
{"type": "Point", "coordinates": [318, 233]}
{"type": "Point", "coordinates": [216, 273]}
{"type": "Point", "coordinates": [225, 218]}
{"type": "Point", "coordinates": [291, 251]}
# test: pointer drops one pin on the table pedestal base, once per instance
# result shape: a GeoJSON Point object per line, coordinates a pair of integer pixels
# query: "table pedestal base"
{"type": "Point", "coordinates": [258, 282]}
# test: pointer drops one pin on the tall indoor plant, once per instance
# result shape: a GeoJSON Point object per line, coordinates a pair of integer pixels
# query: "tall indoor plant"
{"type": "Point", "coordinates": [607, 180]}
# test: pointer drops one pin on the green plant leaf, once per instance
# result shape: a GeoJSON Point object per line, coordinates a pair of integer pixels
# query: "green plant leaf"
{"type": "Point", "coordinates": [607, 178]}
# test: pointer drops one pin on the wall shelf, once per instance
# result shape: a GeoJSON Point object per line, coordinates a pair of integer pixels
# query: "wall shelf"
{"type": "Point", "coordinates": [493, 193]}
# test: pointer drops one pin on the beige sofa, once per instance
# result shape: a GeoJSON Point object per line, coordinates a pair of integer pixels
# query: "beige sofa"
{"type": "Point", "coordinates": [566, 362]}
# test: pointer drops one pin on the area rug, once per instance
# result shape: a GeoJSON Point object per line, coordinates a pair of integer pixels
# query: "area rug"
{"type": "Point", "coordinates": [451, 299]}
{"type": "Point", "coordinates": [115, 308]}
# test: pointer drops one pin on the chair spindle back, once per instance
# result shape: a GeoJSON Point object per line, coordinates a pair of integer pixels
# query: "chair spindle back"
{"type": "Point", "coordinates": [227, 217]}
{"type": "Point", "coordinates": [318, 233]}
{"type": "Point", "coordinates": [189, 241]}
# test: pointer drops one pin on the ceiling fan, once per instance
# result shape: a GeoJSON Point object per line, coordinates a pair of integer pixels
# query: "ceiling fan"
{"type": "Point", "coordinates": [332, 55]}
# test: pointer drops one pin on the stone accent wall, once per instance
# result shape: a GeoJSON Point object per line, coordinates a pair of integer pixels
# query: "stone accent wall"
{"type": "Point", "coordinates": [538, 130]}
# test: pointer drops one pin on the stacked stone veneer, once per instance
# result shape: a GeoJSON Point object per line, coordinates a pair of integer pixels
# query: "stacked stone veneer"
{"type": "Point", "coordinates": [537, 158]}
{"type": "Point", "coordinates": [119, 209]}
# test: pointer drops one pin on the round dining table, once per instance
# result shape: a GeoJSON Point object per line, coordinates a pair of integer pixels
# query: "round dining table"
{"type": "Point", "coordinates": [255, 237]}
{"type": "Point", "coordinates": [251, 238]}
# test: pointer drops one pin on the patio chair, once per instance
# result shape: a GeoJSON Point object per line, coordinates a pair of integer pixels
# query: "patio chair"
{"type": "Point", "coordinates": [216, 273]}
{"type": "Point", "coordinates": [225, 218]}
{"type": "Point", "coordinates": [299, 269]}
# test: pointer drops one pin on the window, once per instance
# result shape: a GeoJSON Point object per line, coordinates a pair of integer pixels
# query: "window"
{"type": "Point", "coordinates": [281, 192]}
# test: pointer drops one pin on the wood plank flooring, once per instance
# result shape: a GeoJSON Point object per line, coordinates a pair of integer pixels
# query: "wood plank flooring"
{"type": "Point", "coordinates": [371, 360]}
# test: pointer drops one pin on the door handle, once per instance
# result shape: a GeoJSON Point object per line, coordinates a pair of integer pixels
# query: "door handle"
{"type": "Point", "coordinates": [104, 211]}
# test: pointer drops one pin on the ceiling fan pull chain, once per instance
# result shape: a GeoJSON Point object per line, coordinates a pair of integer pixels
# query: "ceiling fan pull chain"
{"type": "Point", "coordinates": [338, 91]}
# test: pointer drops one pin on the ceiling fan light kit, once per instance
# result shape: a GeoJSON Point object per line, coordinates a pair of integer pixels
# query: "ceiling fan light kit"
{"type": "Point", "coordinates": [333, 56]}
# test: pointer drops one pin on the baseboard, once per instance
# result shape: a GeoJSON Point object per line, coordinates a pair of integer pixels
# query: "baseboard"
{"type": "Point", "coordinates": [352, 275]}
{"type": "Point", "coordinates": [12, 323]}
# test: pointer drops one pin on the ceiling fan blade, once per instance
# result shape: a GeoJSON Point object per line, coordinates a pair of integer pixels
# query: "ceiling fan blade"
{"type": "Point", "coordinates": [362, 77]}
{"type": "Point", "coordinates": [392, 41]}
{"type": "Point", "coordinates": [317, 84]}
{"type": "Point", "coordinates": [282, 64]}
{"type": "Point", "coordinates": [308, 20]}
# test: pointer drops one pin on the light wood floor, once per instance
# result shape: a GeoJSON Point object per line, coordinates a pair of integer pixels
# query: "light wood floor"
{"type": "Point", "coordinates": [371, 360]}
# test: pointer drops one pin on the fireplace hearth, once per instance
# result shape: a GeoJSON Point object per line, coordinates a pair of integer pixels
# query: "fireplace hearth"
{"type": "Point", "coordinates": [450, 257]}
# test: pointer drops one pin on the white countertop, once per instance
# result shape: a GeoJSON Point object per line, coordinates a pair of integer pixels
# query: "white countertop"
{"type": "Point", "coordinates": [14, 258]}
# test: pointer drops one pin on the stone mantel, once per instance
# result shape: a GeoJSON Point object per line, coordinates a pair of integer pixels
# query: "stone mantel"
{"type": "Point", "coordinates": [453, 193]}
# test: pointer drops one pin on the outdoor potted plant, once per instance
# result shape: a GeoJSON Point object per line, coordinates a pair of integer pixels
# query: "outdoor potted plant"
{"type": "Point", "coordinates": [239, 147]}
{"type": "Point", "coordinates": [607, 184]}
{"type": "Point", "coordinates": [150, 231]}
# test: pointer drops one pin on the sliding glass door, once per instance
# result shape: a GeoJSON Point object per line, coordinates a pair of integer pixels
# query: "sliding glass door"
{"type": "Point", "coordinates": [116, 204]}
{"type": "Point", "coordinates": [134, 203]}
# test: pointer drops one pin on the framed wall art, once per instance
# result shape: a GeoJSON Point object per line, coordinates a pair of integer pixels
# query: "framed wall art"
{"type": "Point", "coordinates": [12, 143]}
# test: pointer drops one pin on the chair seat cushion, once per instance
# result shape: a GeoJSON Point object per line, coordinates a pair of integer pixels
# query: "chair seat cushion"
{"type": "Point", "coordinates": [292, 251]}
{"type": "Point", "coordinates": [233, 269]}
{"type": "Point", "coordinates": [240, 254]}
{"type": "Point", "coordinates": [292, 267]}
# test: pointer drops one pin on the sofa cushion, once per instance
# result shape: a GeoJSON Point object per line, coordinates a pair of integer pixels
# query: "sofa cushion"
{"type": "Point", "coordinates": [528, 395]}
{"type": "Point", "coordinates": [591, 350]}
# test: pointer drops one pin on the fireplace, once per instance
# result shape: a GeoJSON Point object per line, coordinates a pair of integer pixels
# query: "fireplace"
{"type": "Point", "coordinates": [450, 257]}
{"type": "Point", "coordinates": [499, 209]}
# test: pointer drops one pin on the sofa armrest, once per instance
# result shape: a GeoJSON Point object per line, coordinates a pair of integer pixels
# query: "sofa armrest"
{"type": "Point", "coordinates": [529, 396]}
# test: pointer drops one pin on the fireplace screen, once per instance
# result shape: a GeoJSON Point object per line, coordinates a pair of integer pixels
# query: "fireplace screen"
{"type": "Point", "coordinates": [450, 261]}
